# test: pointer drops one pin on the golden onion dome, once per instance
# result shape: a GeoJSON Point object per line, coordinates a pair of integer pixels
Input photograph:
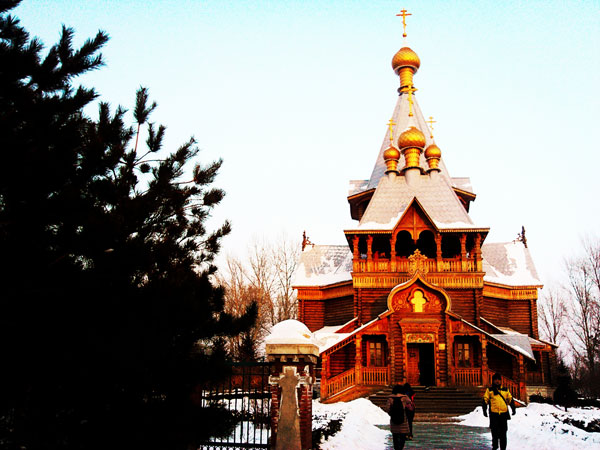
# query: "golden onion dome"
{"type": "Point", "coordinates": [411, 137]}
{"type": "Point", "coordinates": [391, 153]}
{"type": "Point", "coordinates": [433, 151]}
{"type": "Point", "coordinates": [405, 57]}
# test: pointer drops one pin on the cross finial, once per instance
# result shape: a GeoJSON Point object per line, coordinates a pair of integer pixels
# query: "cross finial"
{"type": "Point", "coordinates": [411, 89]}
{"type": "Point", "coordinates": [391, 124]}
{"type": "Point", "coordinates": [431, 122]}
{"type": "Point", "coordinates": [404, 13]}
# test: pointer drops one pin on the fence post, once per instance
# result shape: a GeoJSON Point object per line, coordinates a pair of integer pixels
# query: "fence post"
{"type": "Point", "coordinates": [293, 354]}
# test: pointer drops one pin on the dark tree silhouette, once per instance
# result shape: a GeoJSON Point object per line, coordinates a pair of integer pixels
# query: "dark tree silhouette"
{"type": "Point", "coordinates": [109, 319]}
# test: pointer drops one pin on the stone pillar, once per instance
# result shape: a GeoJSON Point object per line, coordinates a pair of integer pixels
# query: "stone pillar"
{"type": "Point", "coordinates": [293, 355]}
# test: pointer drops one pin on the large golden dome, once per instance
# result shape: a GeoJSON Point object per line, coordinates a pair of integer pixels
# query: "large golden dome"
{"type": "Point", "coordinates": [411, 137]}
{"type": "Point", "coordinates": [405, 57]}
{"type": "Point", "coordinates": [433, 151]}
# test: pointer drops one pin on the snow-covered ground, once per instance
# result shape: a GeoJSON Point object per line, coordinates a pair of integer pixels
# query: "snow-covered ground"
{"type": "Point", "coordinates": [537, 426]}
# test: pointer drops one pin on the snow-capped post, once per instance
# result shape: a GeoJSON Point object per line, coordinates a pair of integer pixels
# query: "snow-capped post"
{"type": "Point", "coordinates": [293, 354]}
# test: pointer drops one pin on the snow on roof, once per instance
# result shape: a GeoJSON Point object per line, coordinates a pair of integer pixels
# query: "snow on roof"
{"type": "Point", "coordinates": [462, 183]}
{"type": "Point", "coordinates": [509, 263]}
{"type": "Point", "coordinates": [357, 186]}
{"type": "Point", "coordinates": [321, 265]}
{"type": "Point", "coordinates": [290, 332]}
{"type": "Point", "coordinates": [327, 337]}
{"type": "Point", "coordinates": [394, 195]}
{"type": "Point", "coordinates": [517, 341]}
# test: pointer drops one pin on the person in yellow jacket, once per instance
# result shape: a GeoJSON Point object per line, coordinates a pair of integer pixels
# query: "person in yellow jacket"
{"type": "Point", "coordinates": [498, 398]}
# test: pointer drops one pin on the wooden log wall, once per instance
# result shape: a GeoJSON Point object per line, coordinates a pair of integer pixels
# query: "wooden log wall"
{"type": "Point", "coordinates": [464, 303]}
{"type": "Point", "coordinates": [339, 310]}
{"type": "Point", "coordinates": [342, 359]}
{"type": "Point", "coordinates": [313, 314]}
{"type": "Point", "coordinates": [371, 303]}
{"type": "Point", "coordinates": [496, 311]}
{"type": "Point", "coordinates": [519, 316]}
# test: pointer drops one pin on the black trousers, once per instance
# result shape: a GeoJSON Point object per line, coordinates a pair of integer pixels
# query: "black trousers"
{"type": "Point", "coordinates": [499, 426]}
{"type": "Point", "coordinates": [399, 439]}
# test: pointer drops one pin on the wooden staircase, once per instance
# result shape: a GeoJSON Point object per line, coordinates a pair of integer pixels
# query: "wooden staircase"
{"type": "Point", "coordinates": [438, 400]}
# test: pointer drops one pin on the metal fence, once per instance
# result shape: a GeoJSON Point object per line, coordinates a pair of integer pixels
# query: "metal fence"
{"type": "Point", "coordinates": [246, 393]}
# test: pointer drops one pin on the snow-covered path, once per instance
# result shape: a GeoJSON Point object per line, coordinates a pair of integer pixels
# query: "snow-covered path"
{"type": "Point", "coordinates": [536, 427]}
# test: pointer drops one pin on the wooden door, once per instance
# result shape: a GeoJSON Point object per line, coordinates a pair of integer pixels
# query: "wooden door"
{"type": "Point", "coordinates": [412, 369]}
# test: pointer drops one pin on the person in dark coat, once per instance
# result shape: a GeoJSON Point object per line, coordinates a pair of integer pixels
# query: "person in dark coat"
{"type": "Point", "coordinates": [410, 408]}
{"type": "Point", "coordinates": [399, 430]}
{"type": "Point", "coordinates": [498, 398]}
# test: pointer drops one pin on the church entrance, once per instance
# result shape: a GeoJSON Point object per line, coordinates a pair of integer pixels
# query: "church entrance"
{"type": "Point", "coordinates": [420, 364]}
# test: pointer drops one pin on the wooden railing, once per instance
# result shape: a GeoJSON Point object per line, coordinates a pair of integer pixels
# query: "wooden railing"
{"type": "Point", "coordinates": [402, 265]}
{"type": "Point", "coordinates": [375, 375]}
{"type": "Point", "coordinates": [467, 377]}
{"type": "Point", "coordinates": [338, 383]}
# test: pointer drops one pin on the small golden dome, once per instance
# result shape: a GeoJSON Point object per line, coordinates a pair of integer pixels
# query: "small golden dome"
{"type": "Point", "coordinates": [391, 153]}
{"type": "Point", "coordinates": [405, 57]}
{"type": "Point", "coordinates": [411, 137]}
{"type": "Point", "coordinates": [433, 151]}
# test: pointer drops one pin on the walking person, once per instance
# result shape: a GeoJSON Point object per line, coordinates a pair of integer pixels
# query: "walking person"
{"type": "Point", "coordinates": [396, 408]}
{"type": "Point", "coordinates": [410, 408]}
{"type": "Point", "coordinates": [498, 398]}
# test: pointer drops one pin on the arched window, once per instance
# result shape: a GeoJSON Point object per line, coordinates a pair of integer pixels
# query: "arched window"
{"type": "Point", "coordinates": [381, 245]}
{"type": "Point", "coordinates": [450, 246]}
{"type": "Point", "coordinates": [405, 246]}
{"type": "Point", "coordinates": [426, 244]}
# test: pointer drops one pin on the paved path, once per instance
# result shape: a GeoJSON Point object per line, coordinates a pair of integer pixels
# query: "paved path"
{"type": "Point", "coordinates": [446, 436]}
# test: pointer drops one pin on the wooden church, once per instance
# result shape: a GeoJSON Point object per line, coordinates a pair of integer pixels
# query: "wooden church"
{"type": "Point", "coordinates": [418, 295]}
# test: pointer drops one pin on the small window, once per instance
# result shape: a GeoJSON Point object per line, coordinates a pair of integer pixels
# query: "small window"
{"type": "Point", "coordinates": [376, 354]}
{"type": "Point", "coordinates": [463, 354]}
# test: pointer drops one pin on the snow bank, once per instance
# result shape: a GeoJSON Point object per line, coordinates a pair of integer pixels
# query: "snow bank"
{"type": "Point", "coordinates": [359, 429]}
{"type": "Point", "coordinates": [290, 332]}
{"type": "Point", "coordinates": [541, 427]}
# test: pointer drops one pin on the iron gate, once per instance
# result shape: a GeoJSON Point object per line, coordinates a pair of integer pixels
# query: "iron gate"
{"type": "Point", "coordinates": [246, 393]}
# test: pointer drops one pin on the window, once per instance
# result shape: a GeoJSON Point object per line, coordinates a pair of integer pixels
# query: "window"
{"type": "Point", "coordinates": [463, 354]}
{"type": "Point", "coordinates": [376, 354]}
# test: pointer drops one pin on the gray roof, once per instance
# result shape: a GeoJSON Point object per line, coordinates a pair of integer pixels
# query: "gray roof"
{"type": "Point", "coordinates": [400, 117]}
{"type": "Point", "coordinates": [394, 195]}
{"type": "Point", "coordinates": [509, 263]}
{"type": "Point", "coordinates": [518, 342]}
{"type": "Point", "coordinates": [322, 265]}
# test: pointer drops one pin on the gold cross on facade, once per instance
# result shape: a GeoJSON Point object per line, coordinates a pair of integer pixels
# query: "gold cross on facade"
{"type": "Point", "coordinates": [431, 122]}
{"type": "Point", "coordinates": [404, 13]}
{"type": "Point", "coordinates": [418, 301]}
{"type": "Point", "coordinates": [411, 89]}
{"type": "Point", "coordinates": [391, 124]}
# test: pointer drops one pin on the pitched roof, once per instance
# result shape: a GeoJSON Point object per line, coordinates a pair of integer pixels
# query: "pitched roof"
{"type": "Point", "coordinates": [322, 265]}
{"type": "Point", "coordinates": [509, 263]}
{"type": "Point", "coordinates": [394, 195]}
{"type": "Point", "coordinates": [400, 117]}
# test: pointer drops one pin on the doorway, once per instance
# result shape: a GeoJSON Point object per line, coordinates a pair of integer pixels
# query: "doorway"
{"type": "Point", "coordinates": [420, 364]}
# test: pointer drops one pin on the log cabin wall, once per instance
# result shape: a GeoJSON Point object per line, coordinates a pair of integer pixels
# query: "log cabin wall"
{"type": "Point", "coordinates": [495, 310]}
{"type": "Point", "coordinates": [312, 313]}
{"type": "Point", "coordinates": [342, 359]}
{"type": "Point", "coordinates": [500, 361]}
{"type": "Point", "coordinates": [519, 317]}
{"type": "Point", "coordinates": [372, 302]}
{"type": "Point", "coordinates": [338, 310]}
{"type": "Point", "coordinates": [464, 302]}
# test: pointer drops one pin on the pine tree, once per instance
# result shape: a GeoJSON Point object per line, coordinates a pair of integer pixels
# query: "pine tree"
{"type": "Point", "coordinates": [109, 319]}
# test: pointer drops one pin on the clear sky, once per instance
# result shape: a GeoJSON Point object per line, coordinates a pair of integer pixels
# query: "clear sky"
{"type": "Point", "coordinates": [295, 96]}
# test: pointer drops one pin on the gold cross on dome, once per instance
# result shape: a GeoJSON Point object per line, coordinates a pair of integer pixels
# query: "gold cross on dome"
{"type": "Point", "coordinates": [404, 13]}
{"type": "Point", "coordinates": [411, 90]}
{"type": "Point", "coordinates": [391, 124]}
{"type": "Point", "coordinates": [431, 122]}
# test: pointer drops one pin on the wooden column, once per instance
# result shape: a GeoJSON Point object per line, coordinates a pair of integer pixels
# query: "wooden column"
{"type": "Point", "coordinates": [438, 252]}
{"type": "Point", "coordinates": [358, 361]}
{"type": "Point", "coordinates": [355, 253]}
{"type": "Point", "coordinates": [370, 253]}
{"type": "Point", "coordinates": [484, 362]}
{"type": "Point", "coordinates": [477, 253]}
{"type": "Point", "coordinates": [393, 253]}
{"type": "Point", "coordinates": [463, 252]}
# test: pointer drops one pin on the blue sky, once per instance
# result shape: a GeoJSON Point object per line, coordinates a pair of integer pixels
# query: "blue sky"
{"type": "Point", "coordinates": [295, 97]}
